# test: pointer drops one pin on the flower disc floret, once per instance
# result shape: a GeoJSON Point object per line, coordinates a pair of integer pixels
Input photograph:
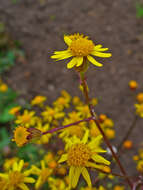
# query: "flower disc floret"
{"type": "Point", "coordinates": [81, 47]}
{"type": "Point", "coordinates": [78, 155]}
{"type": "Point", "coordinates": [15, 178]}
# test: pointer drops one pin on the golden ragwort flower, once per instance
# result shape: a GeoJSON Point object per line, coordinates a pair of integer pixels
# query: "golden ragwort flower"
{"type": "Point", "coordinates": [80, 48]}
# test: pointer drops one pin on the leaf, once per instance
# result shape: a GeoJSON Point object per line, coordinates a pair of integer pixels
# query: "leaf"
{"type": "Point", "coordinates": [4, 138]}
{"type": "Point", "coordinates": [139, 9]}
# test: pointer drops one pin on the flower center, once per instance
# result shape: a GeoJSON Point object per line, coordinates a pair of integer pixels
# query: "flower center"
{"type": "Point", "coordinates": [20, 135]}
{"type": "Point", "coordinates": [78, 155]}
{"type": "Point", "coordinates": [16, 178]}
{"type": "Point", "coordinates": [81, 47]}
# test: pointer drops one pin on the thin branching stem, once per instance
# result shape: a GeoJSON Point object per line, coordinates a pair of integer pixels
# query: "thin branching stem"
{"type": "Point", "coordinates": [87, 100]}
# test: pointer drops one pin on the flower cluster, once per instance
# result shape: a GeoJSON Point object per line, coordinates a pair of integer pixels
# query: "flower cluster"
{"type": "Point", "coordinates": [82, 141]}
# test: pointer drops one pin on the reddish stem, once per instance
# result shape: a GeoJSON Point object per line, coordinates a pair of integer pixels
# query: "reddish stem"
{"type": "Point", "coordinates": [87, 100]}
{"type": "Point", "coordinates": [65, 126]}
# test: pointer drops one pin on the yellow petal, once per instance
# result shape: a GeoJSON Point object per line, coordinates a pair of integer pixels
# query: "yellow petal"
{"type": "Point", "coordinates": [79, 61]}
{"type": "Point", "coordinates": [38, 183]}
{"type": "Point", "coordinates": [71, 175]}
{"type": "Point", "coordinates": [29, 180]}
{"type": "Point", "coordinates": [85, 138]}
{"type": "Point", "coordinates": [99, 159]}
{"type": "Point", "coordinates": [20, 166]}
{"type": "Point", "coordinates": [67, 40]}
{"type": "Point", "coordinates": [95, 142]}
{"type": "Point", "coordinates": [61, 52]}
{"type": "Point", "coordinates": [63, 158]}
{"type": "Point", "coordinates": [42, 164]}
{"type": "Point", "coordinates": [15, 166]}
{"type": "Point", "coordinates": [99, 54]}
{"type": "Point", "coordinates": [93, 165]}
{"type": "Point", "coordinates": [86, 176]}
{"type": "Point", "coordinates": [103, 49]}
{"type": "Point", "coordinates": [23, 186]}
{"type": "Point", "coordinates": [97, 47]}
{"type": "Point", "coordinates": [76, 176]}
{"type": "Point", "coordinates": [72, 63]}
{"type": "Point", "coordinates": [61, 56]}
{"type": "Point", "coordinates": [93, 61]}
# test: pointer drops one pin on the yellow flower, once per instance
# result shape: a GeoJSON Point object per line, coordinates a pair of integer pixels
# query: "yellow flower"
{"type": "Point", "coordinates": [80, 48]}
{"type": "Point", "coordinates": [9, 162]}
{"type": "Point", "coordinates": [110, 133]}
{"type": "Point", "coordinates": [139, 109]}
{"type": "Point", "coordinates": [14, 110]}
{"type": "Point", "coordinates": [140, 166]}
{"type": "Point", "coordinates": [77, 130]}
{"type": "Point", "coordinates": [42, 174]}
{"type": "Point", "coordinates": [128, 144]}
{"type": "Point", "coordinates": [21, 136]}
{"type": "Point", "coordinates": [38, 100]}
{"type": "Point", "coordinates": [52, 113]}
{"type": "Point", "coordinates": [26, 119]}
{"type": "Point", "coordinates": [3, 87]}
{"type": "Point", "coordinates": [81, 154]}
{"type": "Point", "coordinates": [76, 101]}
{"type": "Point", "coordinates": [139, 97]}
{"type": "Point", "coordinates": [15, 178]}
{"type": "Point", "coordinates": [133, 84]}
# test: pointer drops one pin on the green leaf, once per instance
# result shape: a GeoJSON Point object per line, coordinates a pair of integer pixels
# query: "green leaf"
{"type": "Point", "coordinates": [5, 116]}
{"type": "Point", "coordinates": [139, 9]}
{"type": "Point", "coordinates": [4, 138]}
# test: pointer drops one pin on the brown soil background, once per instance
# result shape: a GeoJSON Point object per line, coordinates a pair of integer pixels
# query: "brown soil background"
{"type": "Point", "coordinates": [40, 25]}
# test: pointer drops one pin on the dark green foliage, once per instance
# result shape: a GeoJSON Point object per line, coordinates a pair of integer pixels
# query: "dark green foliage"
{"type": "Point", "coordinates": [139, 9]}
{"type": "Point", "coordinates": [7, 101]}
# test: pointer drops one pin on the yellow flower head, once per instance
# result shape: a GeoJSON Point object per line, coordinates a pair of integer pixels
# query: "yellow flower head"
{"type": "Point", "coordinates": [81, 154]}
{"type": "Point", "coordinates": [21, 136]}
{"type": "Point", "coordinates": [3, 87]}
{"type": "Point", "coordinates": [14, 110]}
{"type": "Point", "coordinates": [80, 48]}
{"type": "Point", "coordinates": [139, 109]}
{"type": "Point", "coordinates": [133, 84]}
{"type": "Point", "coordinates": [139, 97]}
{"type": "Point", "coordinates": [15, 178]}
{"type": "Point", "coordinates": [140, 166]}
{"type": "Point", "coordinates": [27, 119]}
{"type": "Point", "coordinates": [43, 174]}
{"type": "Point", "coordinates": [38, 100]}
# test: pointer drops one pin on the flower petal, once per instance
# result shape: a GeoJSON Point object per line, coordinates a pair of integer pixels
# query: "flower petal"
{"type": "Point", "coordinates": [102, 49]}
{"type": "Point", "coordinates": [97, 47]}
{"type": "Point", "coordinates": [72, 63]}
{"type": "Point", "coordinates": [85, 137]}
{"type": "Point", "coordinates": [63, 158]}
{"type": "Point", "coordinates": [67, 40]}
{"type": "Point", "coordinates": [76, 176]}
{"type": "Point", "coordinates": [79, 61]}
{"type": "Point", "coordinates": [29, 180]}
{"type": "Point", "coordinates": [71, 175]}
{"type": "Point", "coordinates": [93, 61]}
{"type": "Point", "coordinates": [20, 166]}
{"type": "Point", "coordinates": [23, 186]}
{"type": "Point", "coordinates": [86, 176]}
{"type": "Point", "coordinates": [99, 159]}
{"type": "Point", "coordinates": [99, 54]}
